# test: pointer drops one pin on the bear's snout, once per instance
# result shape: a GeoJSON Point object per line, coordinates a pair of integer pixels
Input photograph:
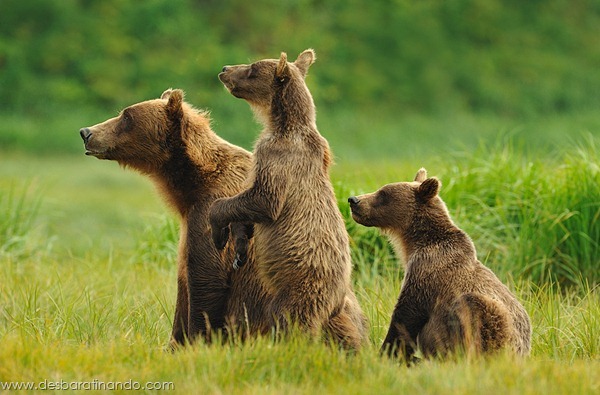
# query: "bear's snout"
{"type": "Point", "coordinates": [223, 73]}
{"type": "Point", "coordinates": [353, 200]}
{"type": "Point", "coordinates": [223, 76]}
{"type": "Point", "coordinates": [85, 134]}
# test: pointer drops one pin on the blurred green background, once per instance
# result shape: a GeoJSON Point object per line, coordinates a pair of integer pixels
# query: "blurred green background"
{"type": "Point", "coordinates": [393, 79]}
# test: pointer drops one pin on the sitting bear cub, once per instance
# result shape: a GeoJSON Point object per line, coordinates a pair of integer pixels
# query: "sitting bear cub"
{"type": "Point", "coordinates": [449, 301]}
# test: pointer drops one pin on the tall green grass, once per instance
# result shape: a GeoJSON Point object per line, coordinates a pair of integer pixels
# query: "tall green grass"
{"type": "Point", "coordinates": [565, 324]}
{"type": "Point", "coordinates": [536, 218]}
{"type": "Point", "coordinates": [19, 207]}
{"type": "Point", "coordinates": [105, 321]}
{"type": "Point", "coordinates": [79, 314]}
{"type": "Point", "coordinates": [157, 243]}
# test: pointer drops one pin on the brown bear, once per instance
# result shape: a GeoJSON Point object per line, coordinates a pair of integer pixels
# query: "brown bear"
{"type": "Point", "coordinates": [173, 143]}
{"type": "Point", "coordinates": [301, 245]}
{"type": "Point", "coordinates": [449, 301]}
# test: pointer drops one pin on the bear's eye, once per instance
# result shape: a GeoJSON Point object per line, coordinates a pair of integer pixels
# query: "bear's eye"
{"type": "Point", "coordinates": [126, 119]}
{"type": "Point", "coordinates": [382, 198]}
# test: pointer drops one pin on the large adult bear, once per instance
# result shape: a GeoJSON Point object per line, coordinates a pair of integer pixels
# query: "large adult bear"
{"type": "Point", "coordinates": [173, 143]}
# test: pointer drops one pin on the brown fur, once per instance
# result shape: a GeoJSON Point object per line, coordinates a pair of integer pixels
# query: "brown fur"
{"type": "Point", "coordinates": [301, 245]}
{"type": "Point", "coordinates": [173, 143]}
{"type": "Point", "coordinates": [449, 301]}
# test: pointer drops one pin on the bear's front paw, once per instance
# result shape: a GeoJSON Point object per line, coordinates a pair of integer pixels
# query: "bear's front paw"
{"type": "Point", "coordinates": [220, 235]}
{"type": "Point", "coordinates": [219, 228]}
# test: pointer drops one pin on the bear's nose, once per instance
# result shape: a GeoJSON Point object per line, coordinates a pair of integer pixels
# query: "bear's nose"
{"type": "Point", "coordinates": [353, 200]}
{"type": "Point", "coordinates": [85, 134]}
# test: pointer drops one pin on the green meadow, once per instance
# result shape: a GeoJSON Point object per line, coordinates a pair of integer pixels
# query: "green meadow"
{"type": "Point", "coordinates": [88, 272]}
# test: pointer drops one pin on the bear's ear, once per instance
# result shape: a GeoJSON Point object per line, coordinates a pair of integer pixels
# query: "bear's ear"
{"type": "Point", "coordinates": [428, 189]}
{"type": "Point", "coordinates": [174, 103]}
{"type": "Point", "coordinates": [421, 175]}
{"type": "Point", "coordinates": [305, 60]}
{"type": "Point", "coordinates": [165, 95]}
{"type": "Point", "coordinates": [282, 72]}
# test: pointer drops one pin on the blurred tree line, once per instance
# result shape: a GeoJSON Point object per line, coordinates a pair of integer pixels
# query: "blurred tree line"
{"type": "Point", "coordinates": [510, 57]}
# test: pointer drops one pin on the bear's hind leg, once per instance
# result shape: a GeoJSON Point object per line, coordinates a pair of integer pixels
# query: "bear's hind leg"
{"type": "Point", "coordinates": [289, 311]}
{"type": "Point", "coordinates": [348, 327]}
{"type": "Point", "coordinates": [490, 322]}
{"type": "Point", "coordinates": [179, 334]}
{"type": "Point", "coordinates": [471, 324]}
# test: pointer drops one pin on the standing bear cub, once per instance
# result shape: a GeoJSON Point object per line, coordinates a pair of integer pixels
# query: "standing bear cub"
{"type": "Point", "coordinates": [301, 245]}
{"type": "Point", "coordinates": [449, 301]}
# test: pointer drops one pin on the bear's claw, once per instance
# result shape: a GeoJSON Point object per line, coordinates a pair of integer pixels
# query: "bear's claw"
{"type": "Point", "coordinates": [238, 262]}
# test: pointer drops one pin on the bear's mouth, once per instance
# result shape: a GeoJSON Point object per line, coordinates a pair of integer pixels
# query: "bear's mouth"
{"type": "Point", "coordinates": [225, 81]}
{"type": "Point", "coordinates": [229, 85]}
{"type": "Point", "coordinates": [360, 219]}
{"type": "Point", "coordinates": [97, 154]}
{"type": "Point", "coordinates": [354, 210]}
{"type": "Point", "coordinates": [359, 216]}
{"type": "Point", "coordinates": [355, 216]}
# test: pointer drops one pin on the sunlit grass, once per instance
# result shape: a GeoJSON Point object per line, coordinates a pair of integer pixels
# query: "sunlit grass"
{"type": "Point", "coordinates": [19, 207]}
{"type": "Point", "coordinates": [95, 299]}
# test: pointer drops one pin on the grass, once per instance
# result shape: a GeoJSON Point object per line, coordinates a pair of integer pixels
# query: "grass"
{"type": "Point", "coordinates": [299, 367]}
{"type": "Point", "coordinates": [17, 215]}
{"type": "Point", "coordinates": [538, 218]}
{"type": "Point", "coordinates": [89, 292]}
